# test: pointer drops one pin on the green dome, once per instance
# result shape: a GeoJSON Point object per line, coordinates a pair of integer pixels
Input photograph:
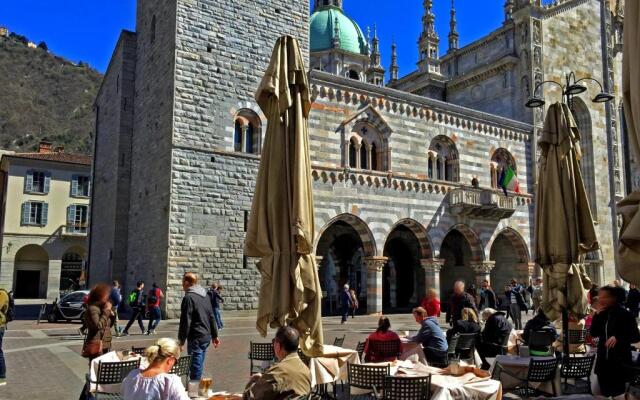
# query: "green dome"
{"type": "Point", "coordinates": [322, 28]}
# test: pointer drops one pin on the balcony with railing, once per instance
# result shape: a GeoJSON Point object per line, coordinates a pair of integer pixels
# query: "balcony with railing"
{"type": "Point", "coordinates": [75, 230]}
{"type": "Point", "coordinates": [481, 203]}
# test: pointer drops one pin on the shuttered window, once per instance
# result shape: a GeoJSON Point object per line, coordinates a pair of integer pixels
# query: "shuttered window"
{"type": "Point", "coordinates": [80, 186]}
{"type": "Point", "coordinates": [35, 213]}
{"type": "Point", "coordinates": [37, 182]}
{"type": "Point", "coordinates": [77, 219]}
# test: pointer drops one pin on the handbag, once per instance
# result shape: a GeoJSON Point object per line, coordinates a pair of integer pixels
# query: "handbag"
{"type": "Point", "coordinates": [93, 348]}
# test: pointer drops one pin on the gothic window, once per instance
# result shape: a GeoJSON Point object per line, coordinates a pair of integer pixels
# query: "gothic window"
{"type": "Point", "coordinates": [500, 160]}
{"type": "Point", "coordinates": [247, 133]}
{"type": "Point", "coordinates": [587, 166]}
{"type": "Point", "coordinates": [363, 156]}
{"type": "Point", "coordinates": [444, 154]}
{"type": "Point", "coordinates": [365, 149]}
{"type": "Point", "coordinates": [374, 157]}
{"type": "Point", "coordinates": [352, 153]}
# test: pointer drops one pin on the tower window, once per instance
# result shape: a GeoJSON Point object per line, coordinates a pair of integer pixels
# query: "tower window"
{"type": "Point", "coordinates": [354, 75]}
{"type": "Point", "coordinates": [247, 132]}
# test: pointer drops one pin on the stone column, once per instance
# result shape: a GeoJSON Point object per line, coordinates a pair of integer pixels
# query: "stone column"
{"type": "Point", "coordinates": [432, 267]}
{"type": "Point", "coordinates": [53, 279]}
{"type": "Point", "coordinates": [244, 129]}
{"type": "Point", "coordinates": [369, 157]}
{"type": "Point", "coordinates": [374, 283]}
{"type": "Point", "coordinates": [7, 268]}
{"type": "Point", "coordinates": [345, 153]}
{"type": "Point", "coordinates": [483, 271]}
{"type": "Point", "coordinates": [358, 164]}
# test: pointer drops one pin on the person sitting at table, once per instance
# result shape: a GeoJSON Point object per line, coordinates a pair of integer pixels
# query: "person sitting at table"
{"type": "Point", "coordinates": [616, 329]}
{"type": "Point", "coordinates": [382, 334]}
{"type": "Point", "coordinates": [538, 323]}
{"type": "Point", "coordinates": [155, 382]}
{"type": "Point", "coordinates": [431, 303]}
{"type": "Point", "coordinates": [290, 377]}
{"type": "Point", "coordinates": [496, 332]}
{"type": "Point", "coordinates": [430, 336]}
{"type": "Point", "coordinates": [468, 323]}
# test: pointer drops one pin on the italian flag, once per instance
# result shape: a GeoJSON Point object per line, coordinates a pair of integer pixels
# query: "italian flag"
{"type": "Point", "coordinates": [509, 181]}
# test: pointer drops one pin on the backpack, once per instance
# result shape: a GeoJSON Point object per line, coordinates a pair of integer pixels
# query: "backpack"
{"type": "Point", "coordinates": [133, 298]}
{"type": "Point", "coordinates": [10, 313]}
{"type": "Point", "coordinates": [152, 298]}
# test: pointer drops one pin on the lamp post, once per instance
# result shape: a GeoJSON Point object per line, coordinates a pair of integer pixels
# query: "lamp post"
{"type": "Point", "coordinates": [571, 88]}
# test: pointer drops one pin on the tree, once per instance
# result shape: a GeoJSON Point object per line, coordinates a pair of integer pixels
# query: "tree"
{"type": "Point", "coordinates": [20, 38]}
{"type": "Point", "coordinates": [42, 45]}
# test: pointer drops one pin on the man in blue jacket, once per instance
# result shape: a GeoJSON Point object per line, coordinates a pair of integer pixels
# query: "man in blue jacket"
{"type": "Point", "coordinates": [431, 336]}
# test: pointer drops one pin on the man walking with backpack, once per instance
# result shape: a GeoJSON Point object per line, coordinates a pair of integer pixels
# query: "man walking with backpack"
{"type": "Point", "coordinates": [136, 302]}
{"type": "Point", "coordinates": [153, 306]}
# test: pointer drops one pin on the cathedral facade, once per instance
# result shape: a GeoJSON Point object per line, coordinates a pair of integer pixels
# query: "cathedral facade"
{"type": "Point", "coordinates": [405, 168]}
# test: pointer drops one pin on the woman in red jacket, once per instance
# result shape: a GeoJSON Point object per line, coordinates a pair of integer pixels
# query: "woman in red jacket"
{"type": "Point", "coordinates": [431, 303]}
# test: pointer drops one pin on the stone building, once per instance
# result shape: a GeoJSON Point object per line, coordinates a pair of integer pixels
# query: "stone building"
{"type": "Point", "coordinates": [405, 169]}
{"type": "Point", "coordinates": [43, 221]}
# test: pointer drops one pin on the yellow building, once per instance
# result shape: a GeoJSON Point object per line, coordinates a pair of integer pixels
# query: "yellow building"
{"type": "Point", "coordinates": [43, 221]}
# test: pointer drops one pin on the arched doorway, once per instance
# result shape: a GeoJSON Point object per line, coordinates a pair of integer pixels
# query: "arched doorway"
{"type": "Point", "coordinates": [457, 253]}
{"type": "Point", "coordinates": [342, 248]}
{"type": "Point", "coordinates": [31, 272]}
{"type": "Point", "coordinates": [402, 279]}
{"type": "Point", "coordinates": [509, 252]}
{"type": "Point", "coordinates": [72, 274]}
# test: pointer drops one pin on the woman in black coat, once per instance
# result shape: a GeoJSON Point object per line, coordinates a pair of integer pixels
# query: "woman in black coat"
{"type": "Point", "coordinates": [616, 329]}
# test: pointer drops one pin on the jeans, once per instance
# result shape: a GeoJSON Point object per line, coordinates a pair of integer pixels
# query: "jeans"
{"type": "Point", "coordinates": [154, 318]}
{"type": "Point", "coordinates": [516, 315]}
{"type": "Point", "coordinates": [218, 317]}
{"type": "Point", "coordinates": [136, 313]}
{"type": "Point", "coordinates": [345, 314]}
{"type": "Point", "coordinates": [197, 350]}
{"type": "Point", "coordinates": [3, 367]}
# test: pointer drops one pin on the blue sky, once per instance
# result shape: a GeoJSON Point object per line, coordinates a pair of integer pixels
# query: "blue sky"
{"type": "Point", "coordinates": [87, 30]}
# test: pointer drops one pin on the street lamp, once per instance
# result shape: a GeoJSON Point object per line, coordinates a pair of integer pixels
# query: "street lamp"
{"type": "Point", "coordinates": [571, 88]}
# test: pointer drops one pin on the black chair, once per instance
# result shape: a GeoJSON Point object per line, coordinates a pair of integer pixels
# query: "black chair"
{"type": "Point", "coordinates": [138, 350]}
{"type": "Point", "coordinates": [111, 373]}
{"type": "Point", "coordinates": [360, 349]}
{"type": "Point", "coordinates": [260, 352]}
{"type": "Point", "coordinates": [540, 371]}
{"type": "Point", "coordinates": [577, 337]}
{"type": "Point", "coordinates": [407, 388]}
{"type": "Point", "coordinates": [368, 377]}
{"type": "Point", "coordinates": [383, 350]}
{"type": "Point", "coordinates": [338, 342]}
{"type": "Point", "coordinates": [465, 349]}
{"type": "Point", "coordinates": [542, 341]}
{"type": "Point", "coordinates": [182, 367]}
{"type": "Point", "coordinates": [579, 370]}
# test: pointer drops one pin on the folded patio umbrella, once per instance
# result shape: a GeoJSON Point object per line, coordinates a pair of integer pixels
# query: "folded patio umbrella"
{"type": "Point", "coordinates": [629, 246]}
{"type": "Point", "coordinates": [564, 225]}
{"type": "Point", "coordinates": [281, 224]}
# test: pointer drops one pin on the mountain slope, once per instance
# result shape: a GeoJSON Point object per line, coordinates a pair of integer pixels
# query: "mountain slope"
{"type": "Point", "coordinates": [44, 96]}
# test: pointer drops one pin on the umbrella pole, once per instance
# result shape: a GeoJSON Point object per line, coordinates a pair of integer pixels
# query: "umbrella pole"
{"type": "Point", "coordinates": [565, 324]}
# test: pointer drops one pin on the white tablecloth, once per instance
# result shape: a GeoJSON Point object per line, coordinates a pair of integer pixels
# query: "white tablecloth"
{"type": "Point", "coordinates": [332, 367]}
{"type": "Point", "coordinates": [111, 356]}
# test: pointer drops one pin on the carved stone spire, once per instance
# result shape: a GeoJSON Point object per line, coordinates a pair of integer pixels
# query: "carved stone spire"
{"type": "Point", "coordinates": [393, 69]}
{"type": "Point", "coordinates": [335, 40]}
{"type": "Point", "coordinates": [429, 41]}
{"type": "Point", "coordinates": [508, 11]}
{"type": "Point", "coordinates": [375, 72]}
{"type": "Point", "coordinates": [454, 37]}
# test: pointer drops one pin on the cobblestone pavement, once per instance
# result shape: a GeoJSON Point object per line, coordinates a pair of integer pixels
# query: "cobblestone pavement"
{"type": "Point", "coordinates": [43, 361]}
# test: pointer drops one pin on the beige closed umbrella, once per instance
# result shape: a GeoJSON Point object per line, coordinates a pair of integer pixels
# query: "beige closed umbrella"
{"type": "Point", "coordinates": [629, 246]}
{"type": "Point", "coordinates": [281, 224]}
{"type": "Point", "coordinates": [564, 224]}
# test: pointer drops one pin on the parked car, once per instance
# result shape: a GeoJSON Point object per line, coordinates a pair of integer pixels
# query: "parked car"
{"type": "Point", "coordinates": [70, 307]}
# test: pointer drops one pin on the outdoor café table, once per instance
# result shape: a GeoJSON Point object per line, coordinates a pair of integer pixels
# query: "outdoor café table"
{"type": "Point", "coordinates": [412, 351]}
{"type": "Point", "coordinates": [332, 366]}
{"type": "Point", "coordinates": [112, 356]}
{"type": "Point", "coordinates": [519, 367]}
{"type": "Point", "coordinates": [445, 386]}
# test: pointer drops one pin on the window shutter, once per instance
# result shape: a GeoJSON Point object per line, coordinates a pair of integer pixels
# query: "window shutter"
{"type": "Point", "coordinates": [47, 182]}
{"type": "Point", "coordinates": [89, 185]}
{"type": "Point", "coordinates": [45, 214]}
{"type": "Point", "coordinates": [71, 216]}
{"type": "Point", "coordinates": [74, 185]}
{"type": "Point", "coordinates": [28, 182]}
{"type": "Point", "coordinates": [26, 210]}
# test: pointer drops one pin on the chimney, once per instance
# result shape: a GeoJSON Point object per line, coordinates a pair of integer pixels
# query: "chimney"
{"type": "Point", "coordinates": [45, 147]}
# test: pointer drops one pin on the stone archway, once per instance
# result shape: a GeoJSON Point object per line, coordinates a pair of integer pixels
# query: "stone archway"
{"type": "Point", "coordinates": [72, 272]}
{"type": "Point", "coordinates": [461, 253]}
{"type": "Point", "coordinates": [509, 252]}
{"type": "Point", "coordinates": [343, 246]}
{"type": "Point", "coordinates": [31, 272]}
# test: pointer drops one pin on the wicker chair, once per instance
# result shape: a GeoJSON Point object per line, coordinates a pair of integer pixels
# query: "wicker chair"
{"type": "Point", "coordinates": [260, 352]}
{"type": "Point", "coordinates": [138, 350]}
{"type": "Point", "coordinates": [407, 388]}
{"type": "Point", "coordinates": [368, 377]}
{"type": "Point", "coordinates": [339, 341]}
{"type": "Point", "coordinates": [360, 349]}
{"type": "Point", "coordinates": [182, 368]}
{"type": "Point", "coordinates": [383, 350]}
{"type": "Point", "coordinates": [579, 370]}
{"type": "Point", "coordinates": [465, 348]}
{"type": "Point", "coordinates": [111, 373]}
{"type": "Point", "coordinates": [540, 371]}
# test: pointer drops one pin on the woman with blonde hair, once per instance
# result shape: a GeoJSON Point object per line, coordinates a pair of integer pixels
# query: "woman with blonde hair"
{"type": "Point", "coordinates": [155, 382]}
{"type": "Point", "coordinates": [468, 323]}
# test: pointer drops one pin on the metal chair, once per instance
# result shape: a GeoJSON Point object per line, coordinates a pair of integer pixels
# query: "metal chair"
{"type": "Point", "coordinates": [111, 373]}
{"type": "Point", "coordinates": [542, 341]}
{"type": "Point", "coordinates": [360, 349]}
{"type": "Point", "coordinates": [368, 377]}
{"type": "Point", "coordinates": [577, 337]}
{"type": "Point", "coordinates": [465, 348]}
{"type": "Point", "coordinates": [407, 388]}
{"type": "Point", "coordinates": [182, 367]}
{"type": "Point", "coordinates": [138, 350]}
{"type": "Point", "coordinates": [578, 369]}
{"type": "Point", "coordinates": [540, 371]}
{"type": "Point", "coordinates": [379, 350]}
{"type": "Point", "coordinates": [339, 342]}
{"type": "Point", "coordinates": [260, 352]}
